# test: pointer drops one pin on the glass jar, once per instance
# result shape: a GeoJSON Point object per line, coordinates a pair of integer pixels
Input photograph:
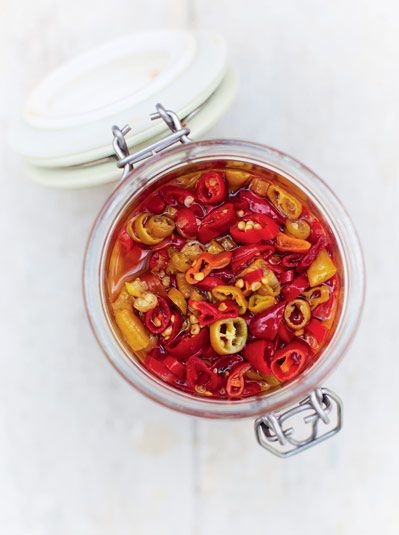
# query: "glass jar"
{"type": "Point", "coordinates": [269, 427]}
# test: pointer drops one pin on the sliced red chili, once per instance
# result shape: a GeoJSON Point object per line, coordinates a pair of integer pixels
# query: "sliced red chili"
{"type": "Point", "coordinates": [173, 365]}
{"type": "Point", "coordinates": [236, 381]}
{"type": "Point", "coordinates": [154, 204]}
{"type": "Point", "coordinates": [209, 282]}
{"type": "Point", "coordinates": [245, 254]}
{"type": "Point", "coordinates": [286, 277]}
{"type": "Point", "coordinates": [216, 223]}
{"type": "Point", "coordinates": [260, 205]}
{"type": "Point", "coordinates": [254, 228]}
{"type": "Point", "coordinates": [266, 324]}
{"type": "Point", "coordinates": [209, 313]}
{"type": "Point", "coordinates": [310, 256]}
{"type": "Point", "coordinates": [285, 334]}
{"type": "Point", "coordinates": [198, 374]}
{"type": "Point", "coordinates": [211, 188]}
{"type": "Point", "coordinates": [187, 344]}
{"type": "Point", "coordinates": [174, 195]}
{"type": "Point", "coordinates": [318, 330]}
{"type": "Point", "coordinates": [126, 241]}
{"type": "Point", "coordinates": [295, 288]}
{"type": "Point", "coordinates": [154, 283]}
{"type": "Point", "coordinates": [186, 223]}
{"type": "Point", "coordinates": [159, 369]}
{"type": "Point", "coordinates": [291, 260]}
{"type": "Point", "coordinates": [258, 354]}
{"type": "Point", "coordinates": [159, 260]}
{"type": "Point", "coordinates": [289, 361]}
{"type": "Point", "coordinates": [158, 318]}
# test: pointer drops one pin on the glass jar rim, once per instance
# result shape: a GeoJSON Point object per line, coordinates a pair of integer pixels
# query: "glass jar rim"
{"type": "Point", "coordinates": [302, 177]}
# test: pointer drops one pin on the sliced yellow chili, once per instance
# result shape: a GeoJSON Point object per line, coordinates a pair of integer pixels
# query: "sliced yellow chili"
{"type": "Point", "coordinates": [160, 226]}
{"type": "Point", "coordinates": [258, 303]}
{"type": "Point", "coordinates": [236, 178]}
{"type": "Point", "coordinates": [183, 286]}
{"type": "Point", "coordinates": [317, 295]}
{"type": "Point", "coordinates": [270, 284]}
{"type": "Point", "coordinates": [221, 293]}
{"type": "Point", "coordinates": [136, 288]}
{"type": "Point", "coordinates": [214, 247]}
{"type": "Point", "coordinates": [322, 269]}
{"type": "Point", "coordinates": [289, 205]}
{"type": "Point", "coordinates": [178, 299]}
{"type": "Point", "coordinates": [137, 231]}
{"type": "Point", "coordinates": [147, 301]}
{"type": "Point", "coordinates": [299, 229]}
{"type": "Point", "coordinates": [132, 329]}
{"type": "Point", "coordinates": [286, 243]}
{"type": "Point", "coordinates": [297, 314]}
{"type": "Point", "coordinates": [228, 336]}
{"type": "Point", "coordinates": [259, 186]}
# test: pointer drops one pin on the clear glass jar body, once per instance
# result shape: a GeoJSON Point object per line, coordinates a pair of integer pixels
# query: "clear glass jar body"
{"type": "Point", "coordinates": [175, 160]}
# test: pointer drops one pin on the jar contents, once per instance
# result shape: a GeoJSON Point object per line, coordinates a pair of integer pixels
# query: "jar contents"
{"type": "Point", "coordinates": [224, 283]}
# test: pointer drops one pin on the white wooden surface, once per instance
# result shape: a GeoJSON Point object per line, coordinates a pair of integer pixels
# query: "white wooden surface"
{"type": "Point", "coordinates": [80, 452]}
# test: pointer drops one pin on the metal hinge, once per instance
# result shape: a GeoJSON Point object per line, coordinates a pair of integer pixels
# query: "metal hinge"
{"type": "Point", "coordinates": [321, 418]}
{"type": "Point", "coordinates": [126, 160]}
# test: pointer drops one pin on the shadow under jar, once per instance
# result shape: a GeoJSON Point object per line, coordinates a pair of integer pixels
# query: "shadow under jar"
{"type": "Point", "coordinates": [252, 172]}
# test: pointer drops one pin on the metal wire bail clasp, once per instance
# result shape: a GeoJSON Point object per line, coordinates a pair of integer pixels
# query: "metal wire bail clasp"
{"type": "Point", "coordinates": [321, 417]}
{"type": "Point", "coordinates": [126, 160]}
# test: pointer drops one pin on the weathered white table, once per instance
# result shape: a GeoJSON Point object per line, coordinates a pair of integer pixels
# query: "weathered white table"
{"type": "Point", "coordinates": [80, 452]}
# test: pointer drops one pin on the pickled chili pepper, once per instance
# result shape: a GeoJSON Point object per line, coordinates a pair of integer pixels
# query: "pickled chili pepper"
{"type": "Point", "coordinates": [286, 276]}
{"type": "Point", "coordinates": [216, 223]}
{"type": "Point", "coordinates": [198, 373]}
{"type": "Point", "coordinates": [317, 232]}
{"type": "Point", "coordinates": [132, 329]}
{"type": "Point", "coordinates": [154, 283]}
{"type": "Point", "coordinates": [137, 230]}
{"type": "Point", "coordinates": [258, 354]}
{"type": "Point", "coordinates": [259, 186]}
{"type": "Point", "coordinates": [318, 330]}
{"type": "Point", "coordinates": [299, 229]}
{"type": "Point", "coordinates": [317, 295]}
{"type": "Point", "coordinates": [186, 344]}
{"type": "Point", "coordinates": [236, 381]}
{"type": "Point", "coordinates": [295, 288]}
{"type": "Point", "coordinates": [270, 284]}
{"type": "Point", "coordinates": [254, 228]}
{"type": "Point", "coordinates": [159, 260]}
{"type": "Point", "coordinates": [260, 205]}
{"type": "Point", "coordinates": [311, 255]}
{"type": "Point", "coordinates": [325, 310]}
{"type": "Point", "coordinates": [297, 314]}
{"type": "Point", "coordinates": [285, 334]}
{"type": "Point", "coordinates": [178, 299]}
{"type": "Point", "coordinates": [205, 263]}
{"type": "Point", "coordinates": [209, 283]}
{"type": "Point", "coordinates": [125, 241]}
{"type": "Point", "coordinates": [158, 319]}
{"type": "Point", "coordinates": [289, 361]}
{"type": "Point", "coordinates": [211, 188]}
{"type": "Point", "coordinates": [291, 260]}
{"type": "Point", "coordinates": [145, 302]}
{"type": "Point", "coordinates": [285, 243]}
{"type": "Point", "coordinates": [224, 292]}
{"type": "Point", "coordinates": [209, 313]}
{"type": "Point", "coordinates": [174, 327]}
{"type": "Point", "coordinates": [174, 366]}
{"type": "Point", "coordinates": [186, 223]}
{"type": "Point", "coordinates": [253, 276]}
{"type": "Point", "coordinates": [174, 195]}
{"type": "Point", "coordinates": [259, 303]}
{"type": "Point", "coordinates": [159, 369]}
{"type": "Point", "coordinates": [246, 253]}
{"type": "Point", "coordinates": [266, 324]}
{"type": "Point", "coordinates": [236, 178]}
{"type": "Point", "coordinates": [321, 269]}
{"type": "Point", "coordinates": [285, 202]}
{"type": "Point", "coordinates": [154, 204]}
{"type": "Point", "coordinates": [228, 336]}
{"type": "Point", "coordinates": [158, 226]}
